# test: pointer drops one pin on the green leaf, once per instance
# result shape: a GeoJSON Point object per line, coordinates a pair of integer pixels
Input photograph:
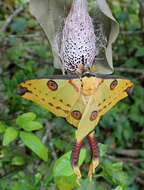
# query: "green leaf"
{"type": "Point", "coordinates": [103, 149]}
{"type": "Point", "coordinates": [38, 178]}
{"type": "Point", "coordinates": [122, 16]}
{"type": "Point", "coordinates": [131, 62]}
{"type": "Point", "coordinates": [63, 173]}
{"type": "Point", "coordinates": [87, 185]}
{"type": "Point", "coordinates": [35, 144]}
{"type": "Point", "coordinates": [10, 135]}
{"type": "Point", "coordinates": [66, 182]}
{"type": "Point", "coordinates": [18, 161]}
{"type": "Point", "coordinates": [2, 127]}
{"type": "Point", "coordinates": [118, 188]}
{"type": "Point", "coordinates": [140, 52]}
{"type": "Point", "coordinates": [120, 178]}
{"type": "Point", "coordinates": [30, 116]}
{"type": "Point", "coordinates": [31, 125]}
{"type": "Point", "coordinates": [14, 54]}
{"type": "Point", "coordinates": [117, 166]}
{"type": "Point", "coordinates": [63, 166]}
{"type": "Point", "coordinates": [112, 168]}
{"type": "Point", "coordinates": [115, 173]}
{"type": "Point", "coordinates": [19, 25]}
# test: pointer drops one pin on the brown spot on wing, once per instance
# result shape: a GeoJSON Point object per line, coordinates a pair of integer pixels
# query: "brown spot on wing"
{"type": "Point", "coordinates": [68, 105]}
{"type": "Point", "coordinates": [100, 83]}
{"type": "Point", "coordinates": [58, 108]}
{"type": "Point", "coordinates": [66, 111]}
{"type": "Point", "coordinates": [50, 104]}
{"type": "Point", "coordinates": [109, 103]}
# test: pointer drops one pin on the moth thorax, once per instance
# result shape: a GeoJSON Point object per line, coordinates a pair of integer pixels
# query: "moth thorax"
{"type": "Point", "coordinates": [78, 44]}
{"type": "Point", "coordinates": [89, 85]}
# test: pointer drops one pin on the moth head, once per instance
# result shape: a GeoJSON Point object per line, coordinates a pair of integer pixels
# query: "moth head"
{"type": "Point", "coordinates": [89, 85]}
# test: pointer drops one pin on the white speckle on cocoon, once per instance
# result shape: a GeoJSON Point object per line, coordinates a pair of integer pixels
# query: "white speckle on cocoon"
{"type": "Point", "coordinates": [78, 44]}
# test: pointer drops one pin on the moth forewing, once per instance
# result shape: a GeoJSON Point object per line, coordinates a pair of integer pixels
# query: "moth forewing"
{"type": "Point", "coordinates": [108, 94]}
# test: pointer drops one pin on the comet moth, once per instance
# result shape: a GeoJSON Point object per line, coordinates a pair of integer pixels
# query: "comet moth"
{"type": "Point", "coordinates": [81, 100]}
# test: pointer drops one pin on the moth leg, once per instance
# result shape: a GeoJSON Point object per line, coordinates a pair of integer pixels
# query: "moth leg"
{"type": "Point", "coordinates": [75, 159]}
{"type": "Point", "coordinates": [95, 153]}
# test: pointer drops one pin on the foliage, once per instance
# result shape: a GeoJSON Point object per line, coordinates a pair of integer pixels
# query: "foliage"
{"type": "Point", "coordinates": [25, 122]}
{"type": "Point", "coordinates": [35, 145]}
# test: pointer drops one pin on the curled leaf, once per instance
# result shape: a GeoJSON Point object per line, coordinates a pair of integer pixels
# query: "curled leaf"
{"type": "Point", "coordinates": [51, 15]}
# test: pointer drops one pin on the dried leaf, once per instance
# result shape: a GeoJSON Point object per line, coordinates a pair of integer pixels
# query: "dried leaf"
{"type": "Point", "coordinates": [51, 14]}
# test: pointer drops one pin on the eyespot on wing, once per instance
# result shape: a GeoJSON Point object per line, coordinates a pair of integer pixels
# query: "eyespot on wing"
{"type": "Point", "coordinates": [76, 114]}
{"type": "Point", "coordinates": [52, 85]}
{"type": "Point", "coordinates": [93, 115]}
{"type": "Point", "coordinates": [113, 84]}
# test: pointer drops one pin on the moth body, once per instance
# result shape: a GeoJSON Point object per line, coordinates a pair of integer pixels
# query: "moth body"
{"type": "Point", "coordinates": [81, 100]}
{"type": "Point", "coordinates": [89, 85]}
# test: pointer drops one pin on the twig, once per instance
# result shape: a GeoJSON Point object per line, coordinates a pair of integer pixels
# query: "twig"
{"type": "Point", "coordinates": [132, 160]}
{"type": "Point", "coordinates": [48, 135]}
{"type": "Point", "coordinates": [26, 35]}
{"type": "Point", "coordinates": [130, 152]}
{"type": "Point", "coordinates": [14, 171]}
{"type": "Point", "coordinates": [132, 32]}
{"type": "Point", "coordinates": [15, 13]}
{"type": "Point", "coordinates": [139, 180]}
{"type": "Point", "coordinates": [141, 77]}
{"type": "Point", "coordinates": [130, 70]}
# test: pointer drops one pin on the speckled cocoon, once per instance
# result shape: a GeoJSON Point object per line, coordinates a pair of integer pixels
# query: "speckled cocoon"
{"type": "Point", "coordinates": [80, 33]}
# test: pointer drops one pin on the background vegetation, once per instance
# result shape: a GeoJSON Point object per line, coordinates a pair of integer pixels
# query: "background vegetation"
{"type": "Point", "coordinates": [34, 144]}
